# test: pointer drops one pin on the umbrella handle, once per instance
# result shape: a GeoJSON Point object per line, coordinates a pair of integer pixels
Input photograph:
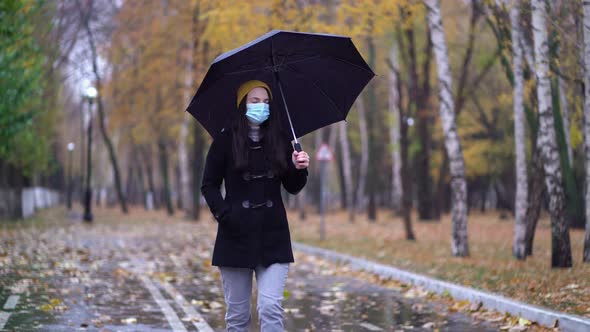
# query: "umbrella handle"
{"type": "Point", "coordinates": [297, 147]}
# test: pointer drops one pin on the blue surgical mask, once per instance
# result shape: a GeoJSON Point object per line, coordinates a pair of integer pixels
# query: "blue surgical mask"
{"type": "Point", "coordinates": [257, 113]}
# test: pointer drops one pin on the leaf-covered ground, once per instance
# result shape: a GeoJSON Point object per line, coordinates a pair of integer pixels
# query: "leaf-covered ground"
{"type": "Point", "coordinates": [490, 267]}
{"type": "Point", "coordinates": [106, 276]}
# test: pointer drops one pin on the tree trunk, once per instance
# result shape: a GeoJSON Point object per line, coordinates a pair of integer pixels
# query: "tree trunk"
{"type": "Point", "coordinates": [130, 185]}
{"type": "Point", "coordinates": [460, 96]}
{"type": "Point", "coordinates": [442, 187]}
{"type": "Point", "coordinates": [406, 180]}
{"type": "Point", "coordinates": [521, 201]}
{"type": "Point", "coordinates": [83, 121]}
{"type": "Point", "coordinates": [573, 199]}
{"type": "Point", "coordinates": [536, 182]}
{"type": "Point", "coordinates": [418, 96]}
{"type": "Point", "coordinates": [527, 51]}
{"type": "Point", "coordinates": [460, 245]}
{"type": "Point", "coordinates": [141, 181]}
{"type": "Point", "coordinates": [178, 186]}
{"type": "Point", "coordinates": [340, 164]}
{"type": "Point", "coordinates": [561, 250]}
{"type": "Point", "coordinates": [333, 137]}
{"type": "Point", "coordinates": [586, 127]}
{"type": "Point", "coordinates": [404, 114]}
{"type": "Point", "coordinates": [188, 187]}
{"type": "Point", "coordinates": [347, 170]}
{"type": "Point", "coordinates": [197, 163]}
{"type": "Point", "coordinates": [374, 142]}
{"type": "Point", "coordinates": [406, 176]}
{"type": "Point", "coordinates": [565, 117]}
{"type": "Point", "coordinates": [101, 115]}
{"type": "Point", "coordinates": [185, 195]}
{"type": "Point", "coordinates": [535, 198]}
{"type": "Point", "coordinates": [163, 156]}
{"type": "Point", "coordinates": [314, 188]}
{"type": "Point", "coordinates": [364, 163]}
{"type": "Point", "coordinates": [332, 141]}
{"type": "Point", "coordinates": [394, 129]}
{"type": "Point", "coordinates": [147, 160]}
{"type": "Point", "coordinates": [183, 164]}
{"type": "Point", "coordinates": [198, 151]}
{"type": "Point", "coordinates": [578, 23]}
{"type": "Point", "coordinates": [301, 202]}
{"type": "Point", "coordinates": [557, 9]}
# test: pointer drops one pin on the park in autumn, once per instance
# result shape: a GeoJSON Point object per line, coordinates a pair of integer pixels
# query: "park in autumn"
{"type": "Point", "coordinates": [446, 186]}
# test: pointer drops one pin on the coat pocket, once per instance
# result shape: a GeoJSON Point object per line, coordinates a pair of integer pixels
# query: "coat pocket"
{"type": "Point", "coordinates": [233, 223]}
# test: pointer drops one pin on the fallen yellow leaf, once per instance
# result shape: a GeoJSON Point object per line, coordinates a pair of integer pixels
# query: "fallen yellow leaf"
{"type": "Point", "coordinates": [524, 322]}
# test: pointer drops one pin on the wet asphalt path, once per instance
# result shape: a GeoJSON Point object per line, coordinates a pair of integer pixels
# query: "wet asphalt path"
{"type": "Point", "coordinates": [152, 276]}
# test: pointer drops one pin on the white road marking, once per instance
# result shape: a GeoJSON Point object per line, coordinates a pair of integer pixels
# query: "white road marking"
{"type": "Point", "coordinates": [4, 318]}
{"type": "Point", "coordinates": [196, 318]}
{"type": "Point", "coordinates": [169, 313]}
{"type": "Point", "coordinates": [171, 316]}
{"type": "Point", "coordinates": [11, 302]}
{"type": "Point", "coordinates": [198, 321]}
{"type": "Point", "coordinates": [175, 261]}
{"type": "Point", "coordinates": [370, 326]}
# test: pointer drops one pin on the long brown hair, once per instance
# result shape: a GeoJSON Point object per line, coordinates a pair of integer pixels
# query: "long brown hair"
{"type": "Point", "coordinates": [273, 139]}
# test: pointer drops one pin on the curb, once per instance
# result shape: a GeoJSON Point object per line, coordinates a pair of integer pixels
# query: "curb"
{"type": "Point", "coordinates": [540, 315]}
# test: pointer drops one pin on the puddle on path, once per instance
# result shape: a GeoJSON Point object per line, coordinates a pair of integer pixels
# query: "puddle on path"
{"type": "Point", "coordinates": [102, 293]}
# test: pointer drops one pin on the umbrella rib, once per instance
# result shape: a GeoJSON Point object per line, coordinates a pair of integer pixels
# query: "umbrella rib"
{"type": "Point", "coordinates": [352, 64]}
{"type": "Point", "coordinates": [283, 63]}
{"type": "Point", "coordinates": [270, 67]}
{"type": "Point", "coordinates": [319, 88]}
{"type": "Point", "coordinates": [293, 49]}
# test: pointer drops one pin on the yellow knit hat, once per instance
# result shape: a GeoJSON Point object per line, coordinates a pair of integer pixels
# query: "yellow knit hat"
{"type": "Point", "coordinates": [249, 85]}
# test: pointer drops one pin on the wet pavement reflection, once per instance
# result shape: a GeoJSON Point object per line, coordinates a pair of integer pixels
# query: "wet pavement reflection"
{"type": "Point", "coordinates": [158, 277]}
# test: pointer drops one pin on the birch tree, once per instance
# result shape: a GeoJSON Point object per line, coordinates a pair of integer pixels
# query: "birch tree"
{"type": "Point", "coordinates": [560, 241]}
{"type": "Point", "coordinates": [537, 173]}
{"type": "Point", "coordinates": [459, 242]}
{"type": "Point", "coordinates": [521, 198]}
{"type": "Point", "coordinates": [586, 127]}
{"type": "Point", "coordinates": [556, 7]}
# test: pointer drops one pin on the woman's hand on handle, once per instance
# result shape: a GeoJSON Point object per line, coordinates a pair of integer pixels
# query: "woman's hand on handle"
{"type": "Point", "coordinates": [300, 159]}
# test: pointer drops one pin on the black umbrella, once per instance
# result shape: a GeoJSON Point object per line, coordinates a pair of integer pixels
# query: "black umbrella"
{"type": "Point", "coordinates": [319, 76]}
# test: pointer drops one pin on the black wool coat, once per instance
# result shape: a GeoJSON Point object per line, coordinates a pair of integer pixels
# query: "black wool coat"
{"type": "Point", "coordinates": [252, 226]}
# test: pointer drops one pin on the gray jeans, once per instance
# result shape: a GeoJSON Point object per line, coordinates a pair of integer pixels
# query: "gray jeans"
{"type": "Point", "coordinates": [237, 289]}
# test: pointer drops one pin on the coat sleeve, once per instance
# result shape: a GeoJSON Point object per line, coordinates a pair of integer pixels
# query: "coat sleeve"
{"type": "Point", "coordinates": [212, 177]}
{"type": "Point", "coordinates": [293, 179]}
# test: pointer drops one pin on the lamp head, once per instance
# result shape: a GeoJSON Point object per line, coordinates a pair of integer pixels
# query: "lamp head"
{"type": "Point", "coordinates": [90, 93]}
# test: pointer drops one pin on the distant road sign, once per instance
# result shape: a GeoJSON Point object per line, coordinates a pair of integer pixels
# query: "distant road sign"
{"type": "Point", "coordinates": [324, 153]}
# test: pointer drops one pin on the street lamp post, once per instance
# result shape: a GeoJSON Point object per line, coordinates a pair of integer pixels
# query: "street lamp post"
{"type": "Point", "coordinates": [69, 185]}
{"type": "Point", "coordinates": [90, 94]}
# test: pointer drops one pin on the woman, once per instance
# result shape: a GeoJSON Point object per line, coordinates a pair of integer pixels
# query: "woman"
{"type": "Point", "coordinates": [254, 157]}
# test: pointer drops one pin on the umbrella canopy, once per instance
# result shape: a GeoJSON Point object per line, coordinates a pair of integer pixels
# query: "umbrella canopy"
{"type": "Point", "coordinates": [315, 78]}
